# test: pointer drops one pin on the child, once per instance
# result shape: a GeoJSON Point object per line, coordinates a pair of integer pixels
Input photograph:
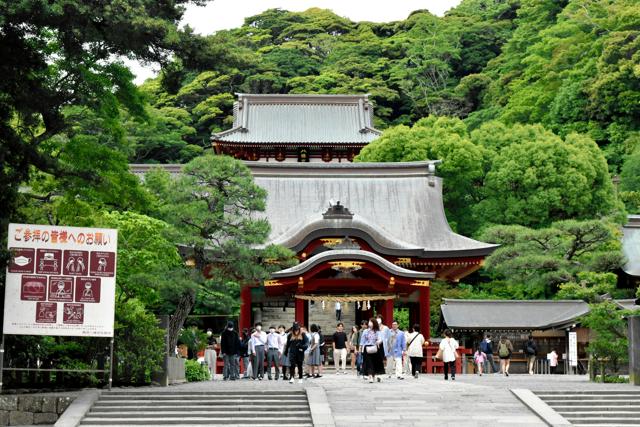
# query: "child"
{"type": "Point", "coordinates": [479, 358]}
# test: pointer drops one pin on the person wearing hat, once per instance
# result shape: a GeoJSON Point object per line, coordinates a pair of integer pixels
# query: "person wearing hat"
{"type": "Point", "coordinates": [230, 349]}
{"type": "Point", "coordinates": [297, 343]}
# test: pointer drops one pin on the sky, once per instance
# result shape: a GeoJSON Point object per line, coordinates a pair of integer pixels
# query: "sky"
{"type": "Point", "coordinates": [227, 14]}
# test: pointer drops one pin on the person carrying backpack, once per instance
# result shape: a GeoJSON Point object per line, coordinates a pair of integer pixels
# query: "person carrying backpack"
{"type": "Point", "coordinates": [530, 349]}
{"type": "Point", "coordinates": [505, 350]}
{"type": "Point", "coordinates": [486, 346]}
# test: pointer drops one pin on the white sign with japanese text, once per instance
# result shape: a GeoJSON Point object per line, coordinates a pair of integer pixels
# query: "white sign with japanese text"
{"type": "Point", "coordinates": [60, 281]}
{"type": "Point", "coordinates": [573, 349]}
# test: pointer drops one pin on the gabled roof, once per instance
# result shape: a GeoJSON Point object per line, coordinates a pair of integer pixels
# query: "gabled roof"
{"type": "Point", "coordinates": [296, 119]}
{"type": "Point", "coordinates": [351, 254]}
{"type": "Point", "coordinates": [631, 245]}
{"type": "Point", "coordinates": [511, 314]}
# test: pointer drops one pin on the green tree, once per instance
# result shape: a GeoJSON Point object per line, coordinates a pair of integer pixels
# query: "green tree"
{"type": "Point", "coordinates": [539, 261]}
{"type": "Point", "coordinates": [609, 345]}
{"type": "Point", "coordinates": [62, 53]}
{"type": "Point", "coordinates": [543, 178]}
{"type": "Point", "coordinates": [214, 206]}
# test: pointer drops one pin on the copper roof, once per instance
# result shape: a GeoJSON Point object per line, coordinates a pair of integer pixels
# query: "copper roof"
{"type": "Point", "coordinates": [512, 314]}
{"type": "Point", "coordinates": [298, 119]}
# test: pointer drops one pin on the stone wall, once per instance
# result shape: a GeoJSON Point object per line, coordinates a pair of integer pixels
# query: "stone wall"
{"type": "Point", "coordinates": [32, 409]}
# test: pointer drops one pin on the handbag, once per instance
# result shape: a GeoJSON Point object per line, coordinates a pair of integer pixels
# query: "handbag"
{"type": "Point", "coordinates": [439, 354]}
{"type": "Point", "coordinates": [371, 349]}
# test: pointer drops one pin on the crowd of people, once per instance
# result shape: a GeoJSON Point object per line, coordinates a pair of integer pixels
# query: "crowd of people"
{"type": "Point", "coordinates": [375, 350]}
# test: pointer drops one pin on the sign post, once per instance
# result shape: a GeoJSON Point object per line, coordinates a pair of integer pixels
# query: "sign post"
{"type": "Point", "coordinates": [573, 350]}
{"type": "Point", "coordinates": [60, 281]}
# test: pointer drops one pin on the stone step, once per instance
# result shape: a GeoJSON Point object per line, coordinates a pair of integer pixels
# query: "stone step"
{"type": "Point", "coordinates": [577, 424]}
{"type": "Point", "coordinates": [178, 412]}
{"type": "Point", "coordinates": [594, 408]}
{"type": "Point", "coordinates": [231, 424]}
{"type": "Point", "coordinates": [194, 421]}
{"type": "Point", "coordinates": [608, 415]}
{"type": "Point", "coordinates": [201, 398]}
{"type": "Point", "coordinates": [586, 397]}
{"type": "Point", "coordinates": [188, 407]}
{"type": "Point", "coordinates": [575, 401]}
{"type": "Point", "coordinates": [206, 393]}
{"type": "Point", "coordinates": [617, 421]}
{"type": "Point", "coordinates": [598, 392]}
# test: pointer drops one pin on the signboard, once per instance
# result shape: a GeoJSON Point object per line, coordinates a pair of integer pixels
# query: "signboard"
{"type": "Point", "coordinates": [573, 349]}
{"type": "Point", "coordinates": [60, 281]}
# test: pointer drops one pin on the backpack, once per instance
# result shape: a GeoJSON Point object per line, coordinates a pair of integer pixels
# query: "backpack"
{"type": "Point", "coordinates": [530, 348]}
{"type": "Point", "coordinates": [503, 349]}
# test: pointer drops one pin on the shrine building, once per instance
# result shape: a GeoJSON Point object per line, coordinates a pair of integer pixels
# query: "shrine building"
{"type": "Point", "coordinates": [370, 236]}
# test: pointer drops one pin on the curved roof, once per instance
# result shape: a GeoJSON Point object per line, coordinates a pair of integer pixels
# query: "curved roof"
{"type": "Point", "coordinates": [351, 255]}
{"type": "Point", "coordinates": [399, 204]}
{"type": "Point", "coordinates": [315, 119]}
{"type": "Point", "coordinates": [298, 235]}
{"type": "Point", "coordinates": [512, 314]}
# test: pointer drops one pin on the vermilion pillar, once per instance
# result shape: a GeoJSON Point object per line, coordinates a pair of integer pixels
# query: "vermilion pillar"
{"type": "Point", "coordinates": [245, 308]}
{"type": "Point", "coordinates": [301, 311]}
{"type": "Point", "coordinates": [425, 314]}
{"type": "Point", "coordinates": [387, 311]}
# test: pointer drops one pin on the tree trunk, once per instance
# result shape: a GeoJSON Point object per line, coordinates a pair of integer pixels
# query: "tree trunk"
{"type": "Point", "coordinates": [186, 303]}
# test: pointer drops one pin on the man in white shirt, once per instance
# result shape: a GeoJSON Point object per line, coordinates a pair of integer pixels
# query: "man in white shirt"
{"type": "Point", "coordinates": [338, 311]}
{"type": "Point", "coordinates": [258, 342]}
{"type": "Point", "coordinates": [273, 352]}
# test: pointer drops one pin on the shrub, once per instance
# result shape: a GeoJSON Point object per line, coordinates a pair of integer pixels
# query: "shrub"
{"type": "Point", "coordinates": [194, 371]}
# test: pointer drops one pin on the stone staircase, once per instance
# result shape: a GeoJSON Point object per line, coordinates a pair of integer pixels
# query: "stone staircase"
{"type": "Point", "coordinates": [286, 408]}
{"type": "Point", "coordinates": [596, 408]}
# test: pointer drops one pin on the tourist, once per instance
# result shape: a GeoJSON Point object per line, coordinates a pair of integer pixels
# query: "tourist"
{"type": "Point", "coordinates": [284, 358]}
{"type": "Point", "coordinates": [338, 311]}
{"type": "Point", "coordinates": [415, 345]}
{"type": "Point", "coordinates": [314, 352]}
{"type": "Point", "coordinates": [307, 368]}
{"type": "Point", "coordinates": [371, 348]}
{"type": "Point", "coordinates": [258, 342]}
{"type": "Point", "coordinates": [273, 352]}
{"type": "Point", "coordinates": [530, 349]}
{"type": "Point", "coordinates": [364, 325]}
{"type": "Point", "coordinates": [449, 349]}
{"type": "Point", "coordinates": [553, 361]}
{"type": "Point", "coordinates": [396, 349]}
{"type": "Point", "coordinates": [323, 352]}
{"type": "Point", "coordinates": [487, 348]}
{"type": "Point", "coordinates": [210, 354]}
{"type": "Point", "coordinates": [354, 340]}
{"type": "Point", "coordinates": [244, 352]}
{"type": "Point", "coordinates": [340, 348]}
{"type": "Point", "coordinates": [505, 350]}
{"type": "Point", "coordinates": [295, 349]}
{"type": "Point", "coordinates": [479, 357]}
{"type": "Point", "coordinates": [230, 349]}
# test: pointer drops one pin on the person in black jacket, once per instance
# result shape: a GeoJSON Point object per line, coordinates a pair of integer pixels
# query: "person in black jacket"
{"type": "Point", "coordinates": [230, 349]}
{"type": "Point", "coordinates": [244, 352]}
{"type": "Point", "coordinates": [530, 349]}
{"type": "Point", "coordinates": [297, 343]}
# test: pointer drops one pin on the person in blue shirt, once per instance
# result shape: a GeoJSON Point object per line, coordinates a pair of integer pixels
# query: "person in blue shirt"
{"type": "Point", "coordinates": [395, 350]}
